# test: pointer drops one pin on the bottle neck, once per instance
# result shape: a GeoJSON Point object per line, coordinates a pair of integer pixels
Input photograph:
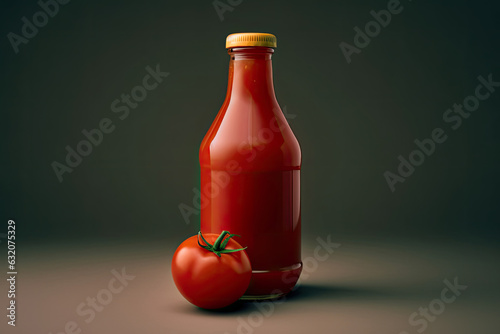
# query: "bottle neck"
{"type": "Point", "coordinates": [251, 73]}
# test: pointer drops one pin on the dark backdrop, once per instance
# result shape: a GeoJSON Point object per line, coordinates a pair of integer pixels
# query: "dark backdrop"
{"type": "Point", "coordinates": [353, 120]}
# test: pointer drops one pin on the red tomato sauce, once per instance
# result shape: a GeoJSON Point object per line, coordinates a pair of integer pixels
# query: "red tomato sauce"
{"type": "Point", "coordinates": [250, 166]}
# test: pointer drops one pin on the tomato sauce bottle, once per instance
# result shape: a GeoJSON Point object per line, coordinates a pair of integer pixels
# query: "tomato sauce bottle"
{"type": "Point", "coordinates": [250, 166]}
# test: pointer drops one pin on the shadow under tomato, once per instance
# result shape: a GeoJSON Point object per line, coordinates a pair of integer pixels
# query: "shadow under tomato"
{"type": "Point", "coordinates": [240, 307]}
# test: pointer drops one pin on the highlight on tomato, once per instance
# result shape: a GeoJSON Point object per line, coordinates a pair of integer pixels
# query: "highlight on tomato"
{"type": "Point", "coordinates": [213, 272]}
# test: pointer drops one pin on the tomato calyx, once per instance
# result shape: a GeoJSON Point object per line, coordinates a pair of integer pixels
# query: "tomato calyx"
{"type": "Point", "coordinates": [219, 246]}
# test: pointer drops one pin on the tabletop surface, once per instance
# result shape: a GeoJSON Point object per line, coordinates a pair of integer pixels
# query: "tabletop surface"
{"type": "Point", "coordinates": [362, 287]}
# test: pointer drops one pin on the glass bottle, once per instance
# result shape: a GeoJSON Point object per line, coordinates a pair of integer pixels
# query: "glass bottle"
{"type": "Point", "coordinates": [250, 166]}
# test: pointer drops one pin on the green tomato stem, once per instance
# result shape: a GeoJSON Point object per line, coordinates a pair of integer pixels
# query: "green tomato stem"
{"type": "Point", "coordinates": [219, 246]}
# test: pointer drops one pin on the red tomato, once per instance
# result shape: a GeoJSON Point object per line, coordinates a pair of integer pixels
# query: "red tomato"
{"type": "Point", "coordinates": [207, 279]}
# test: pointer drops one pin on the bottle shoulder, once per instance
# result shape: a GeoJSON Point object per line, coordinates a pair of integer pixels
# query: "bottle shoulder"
{"type": "Point", "coordinates": [257, 137]}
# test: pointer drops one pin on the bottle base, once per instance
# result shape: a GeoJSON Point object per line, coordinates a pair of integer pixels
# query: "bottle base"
{"type": "Point", "coordinates": [272, 284]}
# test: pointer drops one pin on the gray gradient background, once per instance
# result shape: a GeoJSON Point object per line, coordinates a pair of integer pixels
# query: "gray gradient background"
{"type": "Point", "coordinates": [119, 208]}
{"type": "Point", "coordinates": [353, 120]}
